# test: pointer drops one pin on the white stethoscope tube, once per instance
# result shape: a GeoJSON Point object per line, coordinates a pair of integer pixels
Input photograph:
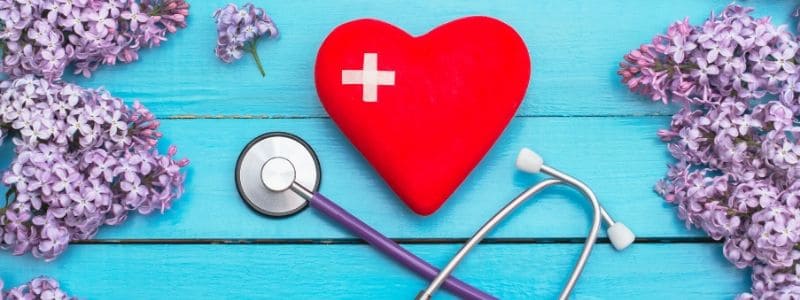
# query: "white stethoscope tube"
{"type": "Point", "coordinates": [528, 161]}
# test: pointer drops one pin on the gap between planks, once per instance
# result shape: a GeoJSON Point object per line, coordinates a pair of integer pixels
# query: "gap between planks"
{"type": "Point", "coordinates": [291, 117]}
{"type": "Point", "coordinates": [408, 241]}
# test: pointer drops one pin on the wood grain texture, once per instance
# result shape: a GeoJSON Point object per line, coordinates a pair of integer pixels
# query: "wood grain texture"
{"type": "Point", "coordinates": [575, 48]}
{"type": "Point", "coordinates": [658, 271]}
{"type": "Point", "coordinates": [576, 114]}
{"type": "Point", "coordinates": [619, 157]}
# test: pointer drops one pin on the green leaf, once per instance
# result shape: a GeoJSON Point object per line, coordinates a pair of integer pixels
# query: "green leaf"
{"type": "Point", "coordinates": [11, 192]}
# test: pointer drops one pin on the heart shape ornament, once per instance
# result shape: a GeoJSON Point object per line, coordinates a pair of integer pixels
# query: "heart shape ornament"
{"type": "Point", "coordinates": [423, 110]}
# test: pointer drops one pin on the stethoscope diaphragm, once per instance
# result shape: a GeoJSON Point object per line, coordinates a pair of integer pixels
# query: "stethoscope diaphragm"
{"type": "Point", "coordinates": [271, 161]}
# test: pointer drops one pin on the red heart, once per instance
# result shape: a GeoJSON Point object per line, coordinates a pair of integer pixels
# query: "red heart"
{"type": "Point", "coordinates": [435, 105]}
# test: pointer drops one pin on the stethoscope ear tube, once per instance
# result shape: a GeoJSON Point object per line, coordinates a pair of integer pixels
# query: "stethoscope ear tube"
{"type": "Point", "coordinates": [528, 161]}
{"type": "Point", "coordinates": [386, 245]}
{"type": "Point", "coordinates": [488, 226]}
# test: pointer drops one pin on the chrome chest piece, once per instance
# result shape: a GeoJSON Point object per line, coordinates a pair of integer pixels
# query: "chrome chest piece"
{"type": "Point", "coordinates": [269, 165]}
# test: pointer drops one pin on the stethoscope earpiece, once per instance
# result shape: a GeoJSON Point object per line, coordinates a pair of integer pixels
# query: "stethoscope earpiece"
{"type": "Point", "coordinates": [529, 161]}
{"type": "Point", "coordinates": [620, 236]}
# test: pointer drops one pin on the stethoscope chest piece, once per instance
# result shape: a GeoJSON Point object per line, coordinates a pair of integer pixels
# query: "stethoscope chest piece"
{"type": "Point", "coordinates": [269, 165]}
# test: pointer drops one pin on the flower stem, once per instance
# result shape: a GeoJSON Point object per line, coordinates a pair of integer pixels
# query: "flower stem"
{"type": "Point", "coordinates": [156, 9]}
{"type": "Point", "coordinates": [254, 51]}
{"type": "Point", "coordinates": [12, 192]}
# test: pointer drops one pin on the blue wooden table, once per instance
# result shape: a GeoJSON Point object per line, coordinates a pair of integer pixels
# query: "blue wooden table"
{"type": "Point", "coordinates": [576, 114]}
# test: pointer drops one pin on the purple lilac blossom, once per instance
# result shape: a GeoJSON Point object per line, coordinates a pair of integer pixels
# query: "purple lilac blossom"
{"type": "Point", "coordinates": [43, 37]}
{"type": "Point", "coordinates": [239, 30]}
{"type": "Point", "coordinates": [737, 175]}
{"type": "Point", "coordinates": [84, 160]}
{"type": "Point", "coordinates": [39, 288]}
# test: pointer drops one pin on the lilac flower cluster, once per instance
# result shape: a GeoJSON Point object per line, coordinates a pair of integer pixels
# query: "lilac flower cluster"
{"type": "Point", "coordinates": [38, 288]}
{"type": "Point", "coordinates": [43, 37]}
{"type": "Point", "coordinates": [84, 159]}
{"type": "Point", "coordinates": [238, 30]}
{"type": "Point", "coordinates": [735, 138]}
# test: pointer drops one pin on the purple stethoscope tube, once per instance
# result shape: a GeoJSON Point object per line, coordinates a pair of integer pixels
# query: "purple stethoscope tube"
{"type": "Point", "coordinates": [386, 245]}
{"type": "Point", "coordinates": [278, 174]}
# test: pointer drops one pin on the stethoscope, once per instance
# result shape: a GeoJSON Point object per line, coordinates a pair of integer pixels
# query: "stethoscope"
{"type": "Point", "coordinates": [278, 174]}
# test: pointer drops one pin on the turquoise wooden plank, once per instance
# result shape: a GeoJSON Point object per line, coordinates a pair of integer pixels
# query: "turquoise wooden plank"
{"type": "Point", "coordinates": [621, 158]}
{"type": "Point", "coordinates": [575, 48]}
{"type": "Point", "coordinates": [647, 271]}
